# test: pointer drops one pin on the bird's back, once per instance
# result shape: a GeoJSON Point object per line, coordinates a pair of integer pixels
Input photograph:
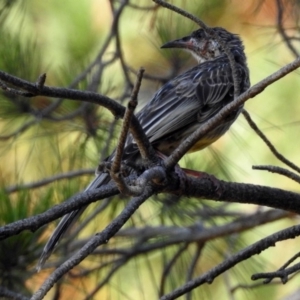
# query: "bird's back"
{"type": "Point", "coordinates": [188, 101]}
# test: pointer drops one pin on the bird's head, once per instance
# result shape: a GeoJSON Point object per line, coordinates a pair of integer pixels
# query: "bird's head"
{"type": "Point", "coordinates": [205, 46]}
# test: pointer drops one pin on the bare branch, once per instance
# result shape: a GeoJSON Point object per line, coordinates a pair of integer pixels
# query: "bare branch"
{"type": "Point", "coordinates": [93, 243]}
{"type": "Point", "coordinates": [268, 143]}
{"type": "Point", "coordinates": [114, 107]}
{"type": "Point", "coordinates": [278, 170]}
{"type": "Point", "coordinates": [142, 141]}
{"type": "Point", "coordinates": [8, 294]}
{"type": "Point", "coordinates": [13, 91]}
{"type": "Point", "coordinates": [280, 27]}
{"type": "Point", "coordinates": [45, 181]}
{"type": "Point", "coordinates": [99, 57]}
{"type": "Point", "coordinates": [168, 268]}
{"type": "Point", "coordinates": [181, 12]}
{"type": "Point", "coordinates": [174, 235]}
{"type": "Point", "coordinates": [282, 274]}
{"type": "Point", "coordinates": [116, 164]}
{"type": "Point", "coordinates": [21, 129]}
{"type": "Point", "coordinates": [75, 202]}
{"type": "Point", "coordinates": [233, 260]}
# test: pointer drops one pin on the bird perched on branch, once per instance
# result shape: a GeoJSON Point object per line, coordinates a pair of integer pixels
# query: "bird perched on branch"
{"type": "Point", "coordinates": [183, 105]}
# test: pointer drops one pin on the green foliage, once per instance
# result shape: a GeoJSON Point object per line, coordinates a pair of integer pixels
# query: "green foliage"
{"type": "Point", "coordinates": [18, 254]}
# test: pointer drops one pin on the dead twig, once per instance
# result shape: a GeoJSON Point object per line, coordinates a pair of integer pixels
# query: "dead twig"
{"type": "Point", "coordinates": [278, 170]}
{"type": "Point", "coordinates": [268, 143]}
{"type": "Point", "coordinates": [116, 164]}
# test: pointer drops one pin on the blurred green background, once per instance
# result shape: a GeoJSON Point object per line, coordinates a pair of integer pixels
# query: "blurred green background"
{"type": "Point", "coordinates": [62, 38]}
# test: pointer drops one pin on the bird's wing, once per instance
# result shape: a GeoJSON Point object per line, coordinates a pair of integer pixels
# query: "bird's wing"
{"type": "Point", "coordinates": [189, 98]}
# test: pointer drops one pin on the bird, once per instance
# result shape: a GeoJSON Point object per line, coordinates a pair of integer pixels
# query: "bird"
{"type": "Point", "coordinates": [181, 106]}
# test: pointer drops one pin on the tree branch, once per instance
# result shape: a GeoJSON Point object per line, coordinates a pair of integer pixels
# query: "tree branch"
{"type": "Point", "coordinates": [75, 202]}
{"type": "Point", "coordinates": [233, 260]}
{"type": "Point", "coordinates": [93, 243]}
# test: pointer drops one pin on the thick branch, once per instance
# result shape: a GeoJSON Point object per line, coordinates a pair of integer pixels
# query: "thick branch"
{"type": "Point", "coordinates": [243, 193]}
{"type": "Point", "coordinates": [197, 187]}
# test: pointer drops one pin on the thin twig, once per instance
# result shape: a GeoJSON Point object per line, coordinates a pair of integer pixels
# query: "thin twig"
{"type": "Point", "coordinates": [99, 57]}
{"type": "Point", "coordinates": [116, 164]}
{"type": "Point", "coordinates": [168, 267]}
{"type": "Point", "coordinates": [268, 143]}
{"type": "Point", "coordinates": [45, 181]}
{"type": "Point", "coordinates": [292, 259]}
{"type": "Point", "coordinates": [280, 27]}
{"type": "Point", "coordinates": [168, 236]}
{"type": "Point", "coordinates": [259, 284]}
{"type": "Point", "coordinates": [193, 265]}
{"type": "Point", "coordinates": [278, 170]}
{"type": "Point", "coordinates": [181, 12]}
{"type": "Point", "coordinates": [297, 255]}
{"type": "Point", "coordinates": [132, 104]}
{"type": "Point", "coordinates": [119, 47]}
{"type": "Point", "coordinates": [282, 274]}
{"type": "Point", "coordinates": [8, 294]}
{"type": "Point", "coordinates": [108, 275]}
{"type": "Point", "coordinates": [233, 260]}
{"type": "Point", "coordinates": [21, 129]}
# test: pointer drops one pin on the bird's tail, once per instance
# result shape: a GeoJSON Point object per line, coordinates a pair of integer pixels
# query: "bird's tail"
{"type": "Point", "coordinates": [67, 221]}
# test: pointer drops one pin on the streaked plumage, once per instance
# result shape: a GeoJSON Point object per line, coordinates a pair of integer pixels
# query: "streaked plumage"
{"type": "Point", "coordinates": [182, 105]}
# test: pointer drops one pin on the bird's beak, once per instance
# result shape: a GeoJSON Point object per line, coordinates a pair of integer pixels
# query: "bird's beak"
{"type": "Point", "coordinates": [185, 43]}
